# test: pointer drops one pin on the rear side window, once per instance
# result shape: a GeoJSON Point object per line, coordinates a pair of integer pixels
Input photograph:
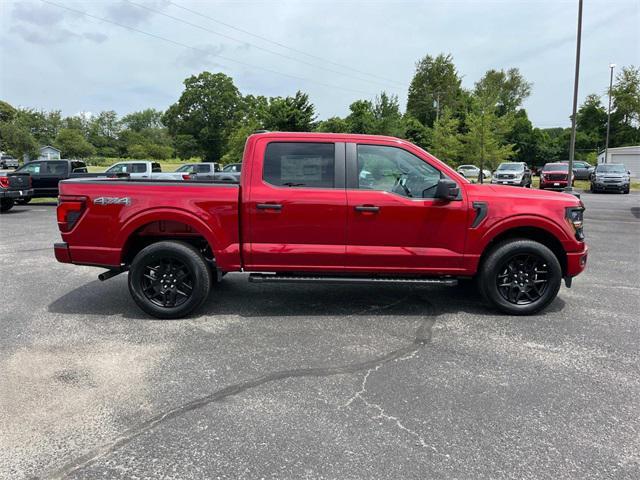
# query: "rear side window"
{"type": "Point", "coordinates": [300, 165]}
{"type": "Point", "coordinates": [138, 168]}
{"type": "Point", "coordinates": [202, 169]}
{"type": "Point", "coordinates": [55, 168]}
{"type": "Point", "coordinates": [155, 168]}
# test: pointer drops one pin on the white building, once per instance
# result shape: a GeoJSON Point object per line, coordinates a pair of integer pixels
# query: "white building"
{"type": "Point", "coordinates": [629, 156]}
{"type": "Point", "coordinates": [49, 153]}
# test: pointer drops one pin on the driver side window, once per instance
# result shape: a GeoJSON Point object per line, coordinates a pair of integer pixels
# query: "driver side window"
{"type": "Point", "coordinates": [395, 170]}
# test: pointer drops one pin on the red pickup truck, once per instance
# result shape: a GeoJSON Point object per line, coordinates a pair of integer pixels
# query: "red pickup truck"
{"type": "Point", "coordinates": [316, 207]}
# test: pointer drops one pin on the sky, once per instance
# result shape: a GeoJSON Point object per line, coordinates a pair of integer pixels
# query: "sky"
{"type": "Point", "coordinates": [94, 55]}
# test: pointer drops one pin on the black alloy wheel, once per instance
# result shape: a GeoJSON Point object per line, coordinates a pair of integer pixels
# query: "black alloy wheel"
{"type": "Point", "coordinates": [169, 279]}
{"type": "Point", "coordinates": [522, 279]}
{"type": "Point", "coordinates": [167, 282]}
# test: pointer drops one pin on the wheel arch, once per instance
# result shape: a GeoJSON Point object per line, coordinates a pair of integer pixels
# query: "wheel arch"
{"type": "Point", "coordinates": [549, 235]}
{"type": "Point", "coordinates": [165, 224]}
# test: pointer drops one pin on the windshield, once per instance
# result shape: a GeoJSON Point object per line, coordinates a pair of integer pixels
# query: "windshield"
{"type": "Point", "coordinates": [556, 167]}
{"type": "Point", "coordinates": [611, 168]}
{"type": "Point", "coordinates": [511, 166]}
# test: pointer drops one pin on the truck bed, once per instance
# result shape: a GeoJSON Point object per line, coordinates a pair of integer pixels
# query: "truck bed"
{"type": "Point", "coordinates": [121, 209]}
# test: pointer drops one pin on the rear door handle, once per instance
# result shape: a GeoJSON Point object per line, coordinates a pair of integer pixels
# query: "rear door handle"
{"type": "Point", "coordinates": [269, 206]}
{"type": "Point", "coordinates": [367, 208]}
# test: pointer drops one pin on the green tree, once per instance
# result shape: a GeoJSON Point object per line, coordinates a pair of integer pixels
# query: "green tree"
{"type": "Point", "coordinates": [142, 120]}
{"type": "Point", "coordinates": [7, 112]}
{"type": "Point", "coordinates": [484, 142]}
{"type": "Point", "coordinates": [17, 141]}
{"type": "Point", "coordinates": [416, 132]}
{"type": "Point", "coordinates": [446, 144]}
{"type": "Point", "coordinates": [237, 141]}
{"type": "Point", "coordinates": [73, 144]}
{"type": "Point", "coordinates": [625, 117]}
{"type": "Point", "coordinates": [435, 85]}
{"type": "Point", "coordinates": [333, 125]}
{"type": "Point", "coordinates": [103, 132]}
{"type": "Point", "coordinates": [207, 111]}
{"type": "Point", "coordinates": [506, 89]}
{"type": "Point", "coordinates": [362, 118]}
{"type": "Point", "coordinates": [386, 112]}
{"type": "Point", "coordinates": [290, 114]}
{"type": "Point", "coordinates": [44, 126]}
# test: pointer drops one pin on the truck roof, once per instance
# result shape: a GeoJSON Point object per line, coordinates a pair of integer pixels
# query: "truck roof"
{"type": "Point", "coordinates": [356, 137]}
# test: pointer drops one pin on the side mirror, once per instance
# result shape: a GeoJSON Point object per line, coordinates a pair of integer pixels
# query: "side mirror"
{"type": "Point", "coordinates": [447, 189]}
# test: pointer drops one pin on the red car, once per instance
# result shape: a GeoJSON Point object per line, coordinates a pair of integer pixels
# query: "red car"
{"type": "Point", "coordinates": [554, 176]}
{"type": "Point", "coordinates": [316, 207]}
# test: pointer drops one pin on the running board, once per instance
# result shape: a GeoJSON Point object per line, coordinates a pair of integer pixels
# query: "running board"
{"type": "Point", "coordinates": [277, 278]}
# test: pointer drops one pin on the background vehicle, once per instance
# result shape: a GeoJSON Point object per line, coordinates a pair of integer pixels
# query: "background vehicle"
{"type": "Point", "coordinates": [232, 167]}
{"type": "Point", "coordinates": [46, 174]}
{"type": "Point", "coordinates": [142, 169]}
{"type": "Point", "coordinates": [300, 214]}
{"type": "Point", "coordinates": [7, 161]}
{"type": "Point", "coordinates": [14, 187]}
{"type": "Point", "coordinates": [512, 173]}
{"type": "Point", "coordinates": [471, 172]}
{"type": "Point", "coordinates": [202, 167]}
{"type": "Point", "coordinates": [582, 170]}
{"type": "Point", "coordinates": [610, 177]}
{"type": "Point", "coordinates": [554, 176]}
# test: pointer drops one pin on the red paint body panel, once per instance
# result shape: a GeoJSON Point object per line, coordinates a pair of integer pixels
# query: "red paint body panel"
{"type": "Point", "coordinates": [316, 229]}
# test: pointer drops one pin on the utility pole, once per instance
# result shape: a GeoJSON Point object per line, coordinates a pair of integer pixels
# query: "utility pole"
{"type": "Point", "coordinates": [572, 146]}
{"type": "Point", "coordinates": [606, 145]}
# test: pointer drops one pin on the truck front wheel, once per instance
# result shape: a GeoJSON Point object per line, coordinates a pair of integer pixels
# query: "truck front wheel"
{"type": "Point", "coordinates": [520, 277]}
{"type": "Point", "coordinates": [169, 279]}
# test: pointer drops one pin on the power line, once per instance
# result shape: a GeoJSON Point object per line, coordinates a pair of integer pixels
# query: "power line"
{"type": "Point", "coordinates": [184, 45]}
{"type": "Point", "coordinates": [279, 44]}
{"type": "Point", "coordinates": [273, 52]}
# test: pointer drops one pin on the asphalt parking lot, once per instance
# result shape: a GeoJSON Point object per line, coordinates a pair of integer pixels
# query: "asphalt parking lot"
{"type": "Point", "coordinates": [309, 381]}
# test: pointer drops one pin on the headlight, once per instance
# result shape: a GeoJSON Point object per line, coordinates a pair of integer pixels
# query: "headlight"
{"type": "Point", "coordinates": [575, 217]}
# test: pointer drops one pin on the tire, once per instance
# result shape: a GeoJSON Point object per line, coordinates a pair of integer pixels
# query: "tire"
{"type": "Point", "coordinates": [541, 286]}
{"type": "Point", "coordinates": [182, 267]}
{"type": "Point", "coordinates": [626, 191]}
{"type": "Point", "coordinates": [6, 204]}
{"type": "Point", "coordinates": [23, 201]}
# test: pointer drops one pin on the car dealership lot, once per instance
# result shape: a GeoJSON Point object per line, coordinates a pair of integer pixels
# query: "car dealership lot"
{"type": "Point", "coordinates": [318, 381]}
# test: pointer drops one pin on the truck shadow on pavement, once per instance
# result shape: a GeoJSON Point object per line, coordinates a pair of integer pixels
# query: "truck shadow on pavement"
{"type": "Point", "coordinates": [235, 296]}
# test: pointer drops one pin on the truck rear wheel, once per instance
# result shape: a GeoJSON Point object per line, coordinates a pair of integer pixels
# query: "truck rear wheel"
{"type": "Point", "coordinates": [520, 277]}
{"type": "Point", "coordinates": [169, 279]}
{"type": "Point", "coordinates": [6, 204]}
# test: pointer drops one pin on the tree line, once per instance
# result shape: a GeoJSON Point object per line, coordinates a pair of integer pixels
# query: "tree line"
{"type": "Point", "coordinates": [212, 119]}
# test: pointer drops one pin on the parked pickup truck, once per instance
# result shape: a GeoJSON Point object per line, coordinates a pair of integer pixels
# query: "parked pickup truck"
{"type": "Point", "coordinates": [46, 174]}
{"type": "Point", "coordinates": [142, 169]}
{"type": "Point", "coordinates": [300, 214]}
{"type": "Point", "coordinates": [207, 171]}
{"type": "Point", "coordinates": [14, 187]}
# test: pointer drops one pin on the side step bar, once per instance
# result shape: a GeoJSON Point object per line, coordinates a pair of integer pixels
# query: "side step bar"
{"type": "Point", "coordinates": [278, 278]}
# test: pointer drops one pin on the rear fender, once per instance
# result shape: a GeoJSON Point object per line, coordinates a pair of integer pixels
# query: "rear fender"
{"type": "Point", "coordinates": [212, 237]}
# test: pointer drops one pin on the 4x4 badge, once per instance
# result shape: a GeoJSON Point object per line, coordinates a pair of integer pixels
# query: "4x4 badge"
{"type": "Point", "coordinates": [112, 201]}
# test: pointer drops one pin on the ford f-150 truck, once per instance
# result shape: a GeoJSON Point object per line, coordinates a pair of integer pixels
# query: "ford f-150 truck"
{"type": "Point", "coordinates": [302, 213]}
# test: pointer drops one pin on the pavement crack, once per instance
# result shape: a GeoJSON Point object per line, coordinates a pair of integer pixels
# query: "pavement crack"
{"type": "Point", "coordinates": [422, 336]}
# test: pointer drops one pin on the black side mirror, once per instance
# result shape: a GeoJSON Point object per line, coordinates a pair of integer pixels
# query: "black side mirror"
{"type": "Point", "coordinates": [447, 189]}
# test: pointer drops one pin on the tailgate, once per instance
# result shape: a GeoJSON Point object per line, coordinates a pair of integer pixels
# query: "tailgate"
{"type": "Point", "coordinates": [19, 181]}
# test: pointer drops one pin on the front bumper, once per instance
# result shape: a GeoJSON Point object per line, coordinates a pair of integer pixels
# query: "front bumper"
{"type": "Point", "coordinates": [553, 184]}
{"type": "Point", "coordinates": [506, 181]}
{"type": "Point", "coordinates": [616, 187]}
{"type": "Point", "coordinates": [16, 193]}
{"type": "Point", "coordinates": [576, 262]}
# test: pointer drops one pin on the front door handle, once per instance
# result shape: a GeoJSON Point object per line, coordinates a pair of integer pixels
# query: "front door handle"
{"type": "Point", "coordinates": [269, 206]}
{"type": "Point", "coordinates": [367, 208]}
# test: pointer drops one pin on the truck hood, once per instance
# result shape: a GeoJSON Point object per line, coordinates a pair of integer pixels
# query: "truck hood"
{"type": "Point", "coordinates": [519, 195]}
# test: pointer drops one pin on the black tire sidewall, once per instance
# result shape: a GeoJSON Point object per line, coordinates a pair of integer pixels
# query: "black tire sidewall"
{"type": "Point", "coordinates": [6, 204]}
{"type": "Point", "coordinates": [191, 258]}
{"type": "Point", "coordinates": [496, 258]}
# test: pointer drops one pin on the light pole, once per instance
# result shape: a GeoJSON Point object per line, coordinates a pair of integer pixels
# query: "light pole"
{"type": "Point", "coordinates": [606, 145]}
{"type": "Point", "coordinates": [572, 146]}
